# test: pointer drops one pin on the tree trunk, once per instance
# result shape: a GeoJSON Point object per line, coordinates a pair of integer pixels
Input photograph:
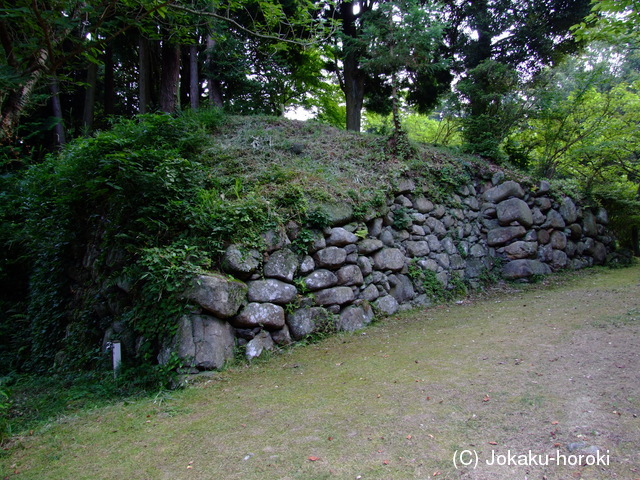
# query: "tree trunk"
{"type": "Point", "coordinates": [144, 75]}
{"type": "Point", "coordinates": [194, 78]}
{"type": "Point", "coordinates": [215, 92]}
{"type": "Point", "coordinates": [16, 100]}
{"type": "Point", "coordinates": [109, 82]}
{"type": "Point", "coordinates": [170, 77]}
{"type": "Point", "coordinates": [353, 78]}
{"type": "Point", "coordinates": [57, 112]}
{"type": "Point", "coordinates": [354, 92]}
{"type": "Point", "coordinates": [184, 94]}
{"type": "Point", "coordinates": [90, 97]}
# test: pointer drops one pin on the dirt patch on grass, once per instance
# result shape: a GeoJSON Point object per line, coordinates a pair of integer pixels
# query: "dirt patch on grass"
{"type": "Point", "coordinates": [526, 375]}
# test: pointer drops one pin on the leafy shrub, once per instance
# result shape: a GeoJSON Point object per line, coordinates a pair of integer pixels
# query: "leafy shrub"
{"type": "Point", "coordinates": [402, 218]}
{"type": "Point", "coordinates": [5, 425]}
{"type": "Point", "coordinates": [427, 282]}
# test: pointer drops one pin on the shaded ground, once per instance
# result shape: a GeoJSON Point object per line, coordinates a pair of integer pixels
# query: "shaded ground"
{"type": "Point", "coordinates": [553, 370]}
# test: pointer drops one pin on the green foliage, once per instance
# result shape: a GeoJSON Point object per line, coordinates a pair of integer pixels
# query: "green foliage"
{"type": "Point", "coordinates": [490, 276]}
{"type": "Point", "coordinates": [493, 107]}
{"type": "Point", "coordinates": [428, 282]}
{"type": "Point", "coordinates": [30, 401]}
{"type": "Point", "coordinates": [159, 277]}
{"type": "Point", "coordinates": [457, 286]}
{"type": "Point", "coordinates": [318, 218]}
{"type": "Point", "coordinates": [129, 210]}
{"type": "Point", "coordinates": [401, 41]}
{"type": "Point", "coordinates": [614, 21]}
{"type": "Point", "coordinates": [584, 132]}
{"type": "Point", "coordinates": [5, 424]}
{"type": "Point", "coordinates": [303, 241]}
{"type": "Point", "coordinates": [402, 218]}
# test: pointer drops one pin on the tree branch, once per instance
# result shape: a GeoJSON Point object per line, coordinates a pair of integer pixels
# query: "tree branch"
{"type": "Point", "coordinates": [251, 32]}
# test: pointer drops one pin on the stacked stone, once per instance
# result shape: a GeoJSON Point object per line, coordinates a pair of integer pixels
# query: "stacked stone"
{"type": "Point", "coordinates": [536, 234]}
{"type": "Point", "coordinates": [352, 270]}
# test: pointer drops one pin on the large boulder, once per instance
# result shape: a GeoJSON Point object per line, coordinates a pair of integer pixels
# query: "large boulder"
{"type": "Point", "coordinates": [217, 294]}
{"type": "Point", "coordinates": [520, 249]}
{"type": "Point", "coordinates": [339, 237]}
{"type": "Point", "coordinates": [350, 275]}
{"type": "Point", "coordinates": [558, 240]}
{"type": "Point", "coordinates": [319, 279]}
{"type": "Point", "coordinates": [599, 254]}
{"type": "Point", "coordinates": [436, 226]}
{"type": "Point", "coordinates": [369, 245]}
{"type": "Point", "coordinates": [568, 210]}
{"type": "Point", "coordinates": [449, 246]}
{"type": "Point", "coordinates": [282, 265]}
{"type": "Point", "coordinates": [554, 220]}
{"type": "Point", "coordinates": [267, 315]}
{"type": "Point", "coordinates": [330, 257]}
{"type": "Point", "coordinates": [354, 317]}
{"type": "Point", "coordinates": [504, 191]}
{"type": "Point", "coordinates": [202, 341]}
{"type": "Point", "coordinates": [271, 290]}
{"type": "Point", "coordinates": [370, 293]}
{"type": "Point", "coordinates": [401, 288]}
{"type": "Point", "coordinates": [386, 305]}
{"type": "Point", "coordinates": [559, 259]}
{"type": "Point", "coordinates": [418, 248]}
{"type": "Point", "coordinates": [281, 337]}
{"type": "Point", "coordinates": [389, 259]}
{"type": "Point", "coordinates": [501, 235]}
{"type": "Point", "coordinates": [259, 344]}
{"type": "Point", "coordinates": [589, 225]}
{"type": "Point", "coordinates": [306, 321]}
{"type": "Point", "coordinates": [517, 269]}
{"type": "Point", "coordinates": [239, 262]}
{"type": "Point", "coordinates": [423, 205]}
{"type": "Point", "coordinates": [474, 267]}
{"type": "Point", "coordinates": [514, 210]}
{"type": "Point", "coordinates": [334, 296]}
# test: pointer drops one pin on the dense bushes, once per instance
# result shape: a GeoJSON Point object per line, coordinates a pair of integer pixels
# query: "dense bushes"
{"type": "Point", "coordinates": [128, 209]}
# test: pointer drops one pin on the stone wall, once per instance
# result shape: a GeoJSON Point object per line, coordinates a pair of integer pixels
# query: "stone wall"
{"type": "Point", "coordinates": [354, 271]}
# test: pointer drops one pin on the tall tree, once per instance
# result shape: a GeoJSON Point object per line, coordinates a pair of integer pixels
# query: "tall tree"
{"type": "Point", "coordinates": [509, 37]}
{"type": "Point", "coordinates": [401, 41]}
{"type": "Point", "coordinates": [359, 66]}
{"type": "Point", "coordinates": [170, 76]}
